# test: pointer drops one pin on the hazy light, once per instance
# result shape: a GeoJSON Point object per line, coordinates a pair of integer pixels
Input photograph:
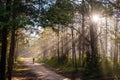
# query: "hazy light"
{"type": "Point", "coordinates": [95, 18]}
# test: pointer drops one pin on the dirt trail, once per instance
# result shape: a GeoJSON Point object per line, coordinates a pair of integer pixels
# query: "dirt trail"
{"type": "Point", "coordinates": [36, 71]}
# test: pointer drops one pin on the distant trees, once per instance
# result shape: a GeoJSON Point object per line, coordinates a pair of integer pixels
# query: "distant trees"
{"type": "Point", "coordinates": [92, 39]}
{"type": "Point", "coordinates": [57, 20]}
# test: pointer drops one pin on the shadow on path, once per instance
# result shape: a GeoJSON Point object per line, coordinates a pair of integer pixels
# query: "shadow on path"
{"type": "Point", "coordinates": [24, 73]}
{"type": "Point", "coordinates": [29, 71]}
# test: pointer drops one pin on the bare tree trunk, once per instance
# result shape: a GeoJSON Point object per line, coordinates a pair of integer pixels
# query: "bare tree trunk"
{"type": "Point", "coordinates": [106, 36]}
{"type": "Point", "coordinates": [4, 42]}
{"type": "Point", "coordinates": [83, 40]}
{"type": "Point", "coordinates": [94, 43]}
{"type": "Point", "coordinates": [11, 55]}
{"type": "Point", "coordinates": [16, 49]}
{"type": "Point", "coordinates": [73, 49]}
{"type": "Point", "coordinates": [58, 44]}
{"type": "Point", "coordinates": [66, 45]}
{"type": "Point", "coordinates": [3, 54]}
{"type": "Point", "coordinates": [93, 38]}
{"type": "Point", "coordinates": [79, 47]}
{"type": "Point", "coordinates": [62, 47]}
{"type": "Point", "coordinates": [12, 44]}
{"type": "Point", "coordinates": [62, 42]}
{"type": "Point", "coordinates": [116, 49]}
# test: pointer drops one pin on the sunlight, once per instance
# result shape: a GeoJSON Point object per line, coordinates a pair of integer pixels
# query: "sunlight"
{"type": "Point", "coordinates": [66, 79]}
{"type": "Point", "coordinates": [95, 18]}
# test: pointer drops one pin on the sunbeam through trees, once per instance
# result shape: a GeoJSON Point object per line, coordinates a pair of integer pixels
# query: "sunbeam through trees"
{"type": "Point", "coordinates": [77, 39]}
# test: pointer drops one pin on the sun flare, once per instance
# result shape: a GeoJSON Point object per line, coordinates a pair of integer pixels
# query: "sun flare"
{"type": "Point", "coordinates": [95, 18]}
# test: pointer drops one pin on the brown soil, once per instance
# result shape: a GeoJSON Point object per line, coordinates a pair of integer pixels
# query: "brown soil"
{"type": "Point", "coordinates": [29, 71]}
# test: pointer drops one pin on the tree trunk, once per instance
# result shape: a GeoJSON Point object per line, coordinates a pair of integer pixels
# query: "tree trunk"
{"type": "Point", "coordinates": [106, 37]}
{"type": "Point", "coordinates": [12, 44]}
{"type": "Point", "coordinates": [58, 44]}
{"type": "Point", "coordinates": [16, 49]}
{"type": "Point", "coordinates": [4, 43]}
{"type": "Point", "coordinates": [62, 43]}
{"type": "Point", "coordinates": [80, 53]}
{"type": "Point", "coordinates": [66, 44]}
{"type": "Point", "coordinates": [82, 40]}
{"type": "Point", "coordinates": [93, 37]}
{"type": "Point", "coordinates": [93, 43]}
{"type": "Point", "coordinates": [3, 54]}
{"type": "Point", "coordinates": [116, 48]}
{"type": "Point", "coordinates": [73, 50]}
{"type": "Point", "coordinates": [11, 55]}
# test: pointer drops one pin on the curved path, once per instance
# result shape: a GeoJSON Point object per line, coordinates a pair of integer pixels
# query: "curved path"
{"type": "Point", "coordinates": [40, 72]}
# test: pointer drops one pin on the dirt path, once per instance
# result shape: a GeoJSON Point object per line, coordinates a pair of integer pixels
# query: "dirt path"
{"type": "Point", "coordinates": [35, 72]}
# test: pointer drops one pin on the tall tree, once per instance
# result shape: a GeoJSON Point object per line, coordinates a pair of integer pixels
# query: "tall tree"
{"type": "Point", "coordinates": [73, 48]}
{"type": "Point", "coordinates": [5, 6]}
{"type": "Point", "coordinates": [12, 44]}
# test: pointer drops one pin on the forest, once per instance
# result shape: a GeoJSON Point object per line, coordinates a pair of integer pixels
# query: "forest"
{"type": "Point", "coordinates": [76, 39]}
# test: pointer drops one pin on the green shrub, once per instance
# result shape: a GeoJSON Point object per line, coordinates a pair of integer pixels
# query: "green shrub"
{"type": "Point", "coordinates": [91, 68]}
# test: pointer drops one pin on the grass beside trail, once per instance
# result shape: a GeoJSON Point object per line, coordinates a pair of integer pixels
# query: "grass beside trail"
{"type": "Point", "coordinates": [65, 69]}
{"type": "Point", "coordinates": [18, 62]}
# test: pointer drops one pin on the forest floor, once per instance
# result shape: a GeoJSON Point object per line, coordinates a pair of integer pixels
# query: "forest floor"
{"type": "Point", "coordinates": [26, 70]}
{"type": "Point", "coordinates": [29, 71]}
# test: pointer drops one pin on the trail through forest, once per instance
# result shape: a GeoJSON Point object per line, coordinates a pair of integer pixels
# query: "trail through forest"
{"type": "Point", "coordinates": [36, 71]}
